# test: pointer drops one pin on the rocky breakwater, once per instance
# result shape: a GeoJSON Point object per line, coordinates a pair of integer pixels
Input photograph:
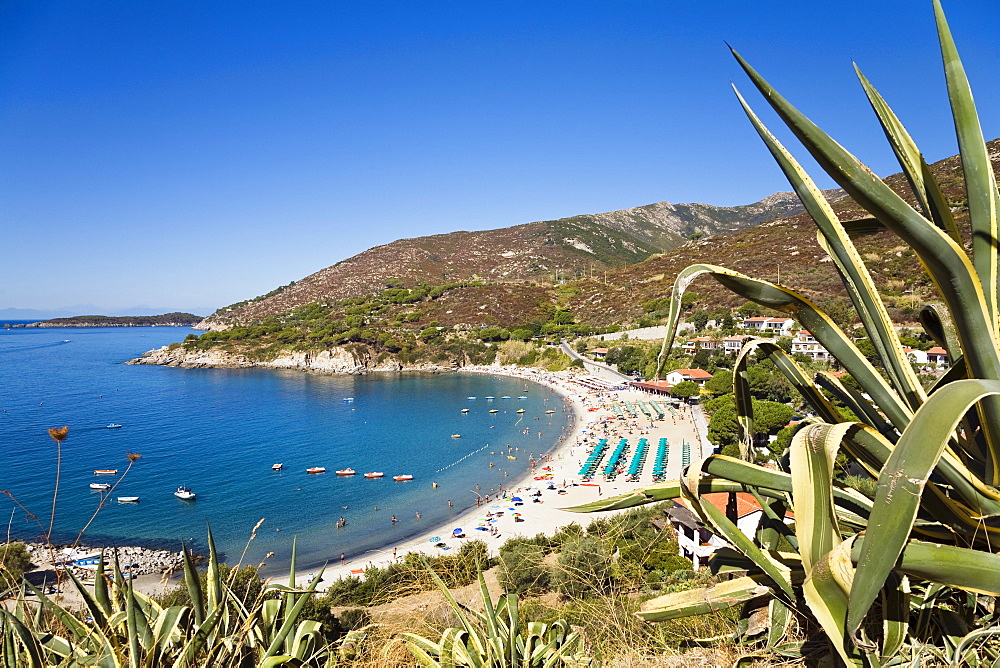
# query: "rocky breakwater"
{"type": "Point", "coordinates": [334, 361]}
{"type": "Point", "coordinates": [135, 560]}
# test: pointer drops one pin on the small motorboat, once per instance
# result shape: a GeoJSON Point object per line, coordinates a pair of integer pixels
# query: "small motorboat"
{"type": "Point", "coordinates": [490, 398]}
{"type": "Point", "coordinates": [493, 410]}
{"type": "Point", "coordinates": [374, 474]}
{"type": "Point", "coordinates": [113, 425]}
{"type": "Point", "coordinates": [347, 471]}
{"type": "Point", "coordinates": [456, 436]}
{"type": "Point", "coordinates": [348, 399]}
{"type": "Point", "coordinates": [520, 410]}
{"type": "Point", "coordinates": [277, 467]}
{"type": "Point", "coordinates": [105, 471]}
{"type": "Point", "coordinates": [102, 486]}
{"type": "Point", "coordinates": [128, 499]}
{"type": "Point", "coordinates": [185, 493]}
{"type": "Point", "coordinates": [470, 397]}
{"type": "Point", "coordinates": [505, 397]}
{"type": "Point", "coordinates": [401, 478]}
{"type": "Point", "coordinates": [316, 469]}
{"type": "Point", "coordinates": [550, 412]}
{"type": "Point", "coordinates": [522, 397]}
{"type": "Point", "coordinates": [465, 410]}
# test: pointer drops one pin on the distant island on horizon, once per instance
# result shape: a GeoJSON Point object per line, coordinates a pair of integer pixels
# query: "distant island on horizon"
{"type": "Point", "coordinates": [165, 320]}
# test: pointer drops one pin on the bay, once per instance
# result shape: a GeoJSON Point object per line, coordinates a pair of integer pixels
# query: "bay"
{"type": "Point", "coordinates": [219, 431]}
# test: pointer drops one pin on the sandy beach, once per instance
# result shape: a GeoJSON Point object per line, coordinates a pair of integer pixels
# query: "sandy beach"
{"type": "Point", "coordinates": [599, 413]}
{"type": "Point", "coordinates": [594, 418]}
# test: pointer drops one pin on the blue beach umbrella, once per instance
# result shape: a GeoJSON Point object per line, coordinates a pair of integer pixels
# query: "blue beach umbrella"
{"type": "Point", "coordinates": [435, 539]}
{"type": "Point", "coordinates": [456, 532]}
{"type": "Point", "coordinates": [516, 499]}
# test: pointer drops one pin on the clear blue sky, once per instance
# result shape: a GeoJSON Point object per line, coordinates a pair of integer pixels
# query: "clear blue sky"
{"type": "Point", "coordinates": [189, 154]}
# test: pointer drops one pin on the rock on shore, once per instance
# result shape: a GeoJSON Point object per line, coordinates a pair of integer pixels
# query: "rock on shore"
{"type": "Point", "coordinates": [337, 360]}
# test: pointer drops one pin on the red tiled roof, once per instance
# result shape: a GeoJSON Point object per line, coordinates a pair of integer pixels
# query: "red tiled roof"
{"type": "Point", "coordinates": [937, 350]}
{"type": "Point", "coordinates": [746, 504]}
{"type": "Point", "coordinates": [694, 373]}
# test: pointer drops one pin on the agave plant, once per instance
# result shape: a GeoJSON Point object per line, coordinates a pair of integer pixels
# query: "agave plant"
{"type": "Point", "coordinates": [912, 570]}
{"type": "Point", "coordinates": [494, 638]}
{"type": "Point", "coordinates": [127, 628]}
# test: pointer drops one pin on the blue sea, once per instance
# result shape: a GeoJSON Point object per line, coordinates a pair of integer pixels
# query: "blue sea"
{"type": "Point", "coordinates": [218, 431]}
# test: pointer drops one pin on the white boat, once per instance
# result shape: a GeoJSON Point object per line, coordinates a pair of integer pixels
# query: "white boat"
{"type": "Point", "coordinates": [185, 493]}
{"type": "Point", "coordinates": [277, 467]}
{"type": "Point", "coordinates": [113, 426]}
{"type": "Point", "coordinates": [316, 469]}
{"type": "Point", "coordinates": [103, 486]}
{"type": "Point", "coordinates": [347, 471]}
{"type": "Point", "coordinates": [374, 474]}
{"type": "Point", "coordinates": [400, 478]}
{"type": "Point", "coordinates": [128, 499]}
{"type": "Point", "coordinates": [105, 471]}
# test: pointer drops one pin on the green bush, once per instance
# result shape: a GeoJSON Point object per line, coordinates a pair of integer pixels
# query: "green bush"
{"type": "Point", "coordinates": [522, 569]}
{"type": "Point", "coordinates": [14, 563]}
{"type": "Point", "coordinates": [583, 568]}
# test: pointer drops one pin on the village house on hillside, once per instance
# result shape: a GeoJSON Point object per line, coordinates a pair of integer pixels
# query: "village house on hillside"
{"type": "Point", "coordinates": [937, 355]}
{"type": "Point", "coordinates": [732, 345]}
{"type": "Point", "coordinates": [695, 375]}
{"type": "Point", "coordinates": [779, 326]}
{"type": "Point", "coordinates": [698, 543]}
{"type": "Point", "coordinates": [806, 344]}
{"type": "Point", "coordinates": [691, 346]}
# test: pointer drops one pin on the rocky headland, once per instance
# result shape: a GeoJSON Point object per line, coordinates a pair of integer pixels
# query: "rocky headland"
{"type": "Point", "coordinates": [333, 361]}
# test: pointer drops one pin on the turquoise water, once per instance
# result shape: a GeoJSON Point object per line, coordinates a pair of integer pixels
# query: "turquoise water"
{"type": "Point", "coordinates": [219, 431]}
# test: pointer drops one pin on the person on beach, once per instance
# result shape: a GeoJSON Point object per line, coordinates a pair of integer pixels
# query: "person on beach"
{"type": "Point", "coordinates": [343, 557]}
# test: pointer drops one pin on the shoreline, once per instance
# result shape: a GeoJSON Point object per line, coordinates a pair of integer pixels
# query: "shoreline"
{"type": "Point", "coordinates": [591, 416]}
{"type": "Point", "coordinates": [595, 412]}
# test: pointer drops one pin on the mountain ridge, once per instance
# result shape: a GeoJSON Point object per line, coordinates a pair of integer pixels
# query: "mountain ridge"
{"type": "Point", "coordinates": [551, 250]}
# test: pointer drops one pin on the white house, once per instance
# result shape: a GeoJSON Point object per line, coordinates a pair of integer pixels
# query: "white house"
{"type": "Point", "coordinates": [778, 326]}
{"type": "Point", "coordinates": [696, 543]}
{"type": "Point", "coordinates": [732, 345]}
{"type": "Point", "coordinates": [916, 356]}
{"type": "Point", "coordinates": [692, 346]}
{"type": "Point", "coordinates": [806, 344]}
{"type": "Point", "coordinates": [696, 375]}
{"type": "Point", "coordinates": [937, 355]}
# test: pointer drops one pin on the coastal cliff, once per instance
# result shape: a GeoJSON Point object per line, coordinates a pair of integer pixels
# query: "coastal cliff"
{"type": "Point", "coordinates": [334, 361]}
